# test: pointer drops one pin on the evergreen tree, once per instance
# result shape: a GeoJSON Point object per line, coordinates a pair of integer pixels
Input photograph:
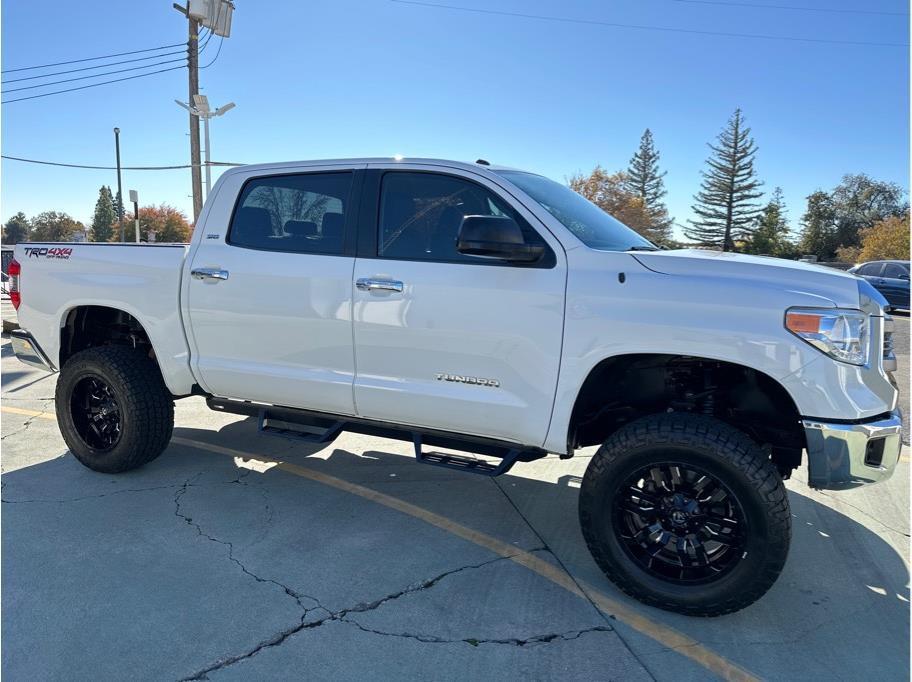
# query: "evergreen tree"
{"type": "Point", "coordinates": [103, 220]}
{"type": "Point", "coordinates": [16, 229]}
{"type": "Point", "coordinates": [771, 234]}
{"type": "Point", "coordinates": [818, 234]}
{"type": "Point", "coordinates": [54, 226]}
{"type": "Point", "coordinates": [725, 206]}
{"type": "Point", "coordinates": [646, 182]}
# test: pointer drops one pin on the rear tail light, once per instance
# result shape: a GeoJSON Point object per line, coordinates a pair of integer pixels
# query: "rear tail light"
{"type": "Point", "coordinates": [14, 271]}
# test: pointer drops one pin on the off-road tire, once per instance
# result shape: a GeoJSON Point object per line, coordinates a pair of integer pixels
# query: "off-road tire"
{"type": "Point", "coordinates": [729, 455]}
{"type": "Point", "coordinates": [145, 405]}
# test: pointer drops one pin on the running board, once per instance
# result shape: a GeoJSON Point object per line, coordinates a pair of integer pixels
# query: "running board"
{"type": "Point", "coordinates": [318, 428]}
{"type": "Point", "coordinates": [470, 464]}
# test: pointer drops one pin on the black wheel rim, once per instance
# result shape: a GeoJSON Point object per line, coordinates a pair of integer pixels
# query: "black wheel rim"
{"type": "Point", "coordinates": [679, 523]}
{"type": "Point", "coordinates": [96, 413]}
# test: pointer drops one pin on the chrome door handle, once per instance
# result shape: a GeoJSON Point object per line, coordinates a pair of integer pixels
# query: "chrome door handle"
{"type": "Point", "coordinates": [367, 284]}
{"type": "Point", "coordinates": [209, 273]}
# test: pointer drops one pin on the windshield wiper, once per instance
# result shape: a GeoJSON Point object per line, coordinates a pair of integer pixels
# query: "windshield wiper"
{"type": "Point", "coordinates": [643, 248]}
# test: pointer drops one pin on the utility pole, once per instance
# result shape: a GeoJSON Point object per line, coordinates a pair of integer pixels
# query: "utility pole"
{"type": "Point", "coordinates": [120, 213]}
{"type": "Point", "coordinates": [216, 16]}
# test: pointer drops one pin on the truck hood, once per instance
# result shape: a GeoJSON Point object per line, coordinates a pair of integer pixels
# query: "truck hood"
{"type": "Point", "coordinates": [840, 288]}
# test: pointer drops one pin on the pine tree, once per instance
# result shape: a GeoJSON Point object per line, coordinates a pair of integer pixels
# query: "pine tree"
{"type": "Point", "coordinates": [103, 220]}
{"type": "Point", "coordinates": [16, 229]}
{"type": "Point", "coordinates": [818, 235]}
{"type": "Point", "coordinates": [646, 182]}
{"type": "Point", "coordinates": [725, 206]}
{"type": "Point", "coordinates": [771, 235]}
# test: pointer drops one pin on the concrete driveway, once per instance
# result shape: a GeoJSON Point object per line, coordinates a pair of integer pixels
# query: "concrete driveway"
{"type": "Point", "coordinates": [238, 556]}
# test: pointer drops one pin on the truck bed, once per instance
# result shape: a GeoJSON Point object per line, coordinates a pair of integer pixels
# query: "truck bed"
{"type": "Point", "coordinates": [141, 279]}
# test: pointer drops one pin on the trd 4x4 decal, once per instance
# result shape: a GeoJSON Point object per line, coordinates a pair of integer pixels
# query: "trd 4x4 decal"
{"type": "Point", "coordinates": [48, 252]}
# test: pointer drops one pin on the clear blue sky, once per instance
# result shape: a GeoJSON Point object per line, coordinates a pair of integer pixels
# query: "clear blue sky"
{"type": "Point", "coordinates": [336, 78]}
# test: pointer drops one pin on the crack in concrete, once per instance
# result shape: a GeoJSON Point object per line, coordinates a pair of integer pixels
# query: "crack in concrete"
{"type": "Point", "coordinates": [94, 497]}
{"type": "Point", "coordinates": [29, 420]}
{"type": "Point", "coordinates": [478, 641]}
{"type": "Point", "coordinates": [343, 615]}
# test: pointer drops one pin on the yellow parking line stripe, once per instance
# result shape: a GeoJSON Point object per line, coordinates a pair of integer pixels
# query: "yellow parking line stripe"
{"type": "Point", "coordinates": [30, 413]}
{"type": "Point", "coordinates": [669, 637]}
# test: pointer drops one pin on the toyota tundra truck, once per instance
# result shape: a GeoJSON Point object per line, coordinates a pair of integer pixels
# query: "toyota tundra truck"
{"type": "Point", "coordinates": [490, 316]}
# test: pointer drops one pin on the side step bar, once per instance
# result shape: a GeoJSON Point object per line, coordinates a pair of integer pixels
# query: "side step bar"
{"type": "Point", "coordinates": [318, 428]}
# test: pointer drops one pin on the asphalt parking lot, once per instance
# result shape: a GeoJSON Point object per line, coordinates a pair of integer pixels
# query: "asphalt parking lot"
{"type": "Point", "coordinates": [238, 556]}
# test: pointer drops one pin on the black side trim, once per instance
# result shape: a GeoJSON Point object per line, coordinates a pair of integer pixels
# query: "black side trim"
{"type": "Point", "coordinates": [866, 420]}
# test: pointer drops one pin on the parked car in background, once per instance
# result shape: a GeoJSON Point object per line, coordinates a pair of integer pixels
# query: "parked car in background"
{"type": "Point", "coordinates": [889, 277]}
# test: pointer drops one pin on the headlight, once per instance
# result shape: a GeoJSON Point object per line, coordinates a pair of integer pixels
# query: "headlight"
{"type": "Point", "coordinates": [841, 334]}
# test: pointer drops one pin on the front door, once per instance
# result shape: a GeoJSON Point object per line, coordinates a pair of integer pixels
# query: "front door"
{"type": "Point", "coordinates": [269, 296]}
{"type": "Point", "coordinates": [444, 340]}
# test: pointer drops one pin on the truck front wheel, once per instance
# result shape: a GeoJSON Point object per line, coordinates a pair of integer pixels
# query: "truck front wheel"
{"type": "Point", "coordinates": [686, 513]}
{"type": "Point", "coordinates": [113, 408]}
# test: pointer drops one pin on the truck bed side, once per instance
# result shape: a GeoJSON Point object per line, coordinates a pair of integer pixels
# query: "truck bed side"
{"type": "Point", "coordinates": [140, 279]}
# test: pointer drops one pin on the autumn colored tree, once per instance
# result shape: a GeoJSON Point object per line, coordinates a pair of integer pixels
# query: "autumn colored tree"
{"type": "Point", "coordinates": [16, 229]}
{"type": "Point", "coordinates": [168, 223]}
{"type": "Point", "coordinates": [646, 182]}
{"type": "Point", "coordinates": [860, 202]}
{"type": "Point", "coordinates": [104, 217]}
{"type": "Point", "coordinates": [609, 192]}
{"type": "Point", "coordinates": [725, 208]}
{"type": "Point", "coordinates": [54, 226]}
{"type": "Point", "coordinates": [887, 239]}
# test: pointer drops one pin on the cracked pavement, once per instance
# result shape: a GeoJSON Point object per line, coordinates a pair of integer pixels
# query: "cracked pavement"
{"type": "Point", "coordinates": [203, 566]}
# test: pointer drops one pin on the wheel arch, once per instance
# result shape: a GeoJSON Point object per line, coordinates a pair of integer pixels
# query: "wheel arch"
{"type": "Point", "coordinates": [90, 325]}
{"type": "Point", "coordinates": [622, 388]}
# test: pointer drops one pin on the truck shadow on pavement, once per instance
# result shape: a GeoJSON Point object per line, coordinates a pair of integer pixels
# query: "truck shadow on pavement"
{"type": "Point", "coordinates": [207, 556]}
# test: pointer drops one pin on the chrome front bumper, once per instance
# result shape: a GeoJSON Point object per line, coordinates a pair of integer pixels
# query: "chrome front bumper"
{"type": "Point", "coordinates": [28, 351]}
{"type": "Point", "coordinates": [842, 456]}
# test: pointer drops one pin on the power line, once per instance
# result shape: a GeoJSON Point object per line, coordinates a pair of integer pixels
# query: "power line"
{"type": "Point", "coordinates": [217, 53]}
{"type": "Point", "coordinates": [89, 68]}
{"type": "Point", "coordinates": [142, 168]}
{"type": "Point", "coordinates": [93, 85]}
{"type": "Point", "coordinates": [92, 59]}
{"type": "Point", "coordinates": [94, 75]}
{"type": "Point", "coordinates": [833, 10]}
{"type": "Point", "coordinates": [644, 27]}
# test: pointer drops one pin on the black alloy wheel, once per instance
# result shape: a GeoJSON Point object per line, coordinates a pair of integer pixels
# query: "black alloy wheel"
{"type": "Point", "coordinates": [96, 414]}
{"type": "Point", "coordinates": [679, 522]}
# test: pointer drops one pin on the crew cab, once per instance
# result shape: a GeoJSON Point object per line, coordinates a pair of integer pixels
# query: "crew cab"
{"type": "Point", "coordinates": [494, 313]}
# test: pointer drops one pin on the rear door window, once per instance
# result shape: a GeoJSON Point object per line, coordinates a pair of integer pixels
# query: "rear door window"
{"type": "Point", "coordinates": [870, 269]}
{"type": "Point", "coordinates": [302, 213]}
{"type": "Point", "coordinates": [894, 270]}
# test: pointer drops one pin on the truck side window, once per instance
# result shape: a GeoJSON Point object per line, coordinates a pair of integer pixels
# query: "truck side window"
{"type": "Point", "coordinates": [420, 215]}
{"type": "Point", "coordinates": [302, 213]}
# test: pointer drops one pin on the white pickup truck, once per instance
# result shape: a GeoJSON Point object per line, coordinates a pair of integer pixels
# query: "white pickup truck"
{"type": "Point", "coordinates": [488, 311]}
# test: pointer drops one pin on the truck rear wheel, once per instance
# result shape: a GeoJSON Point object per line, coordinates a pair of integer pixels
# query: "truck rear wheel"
{"type": "Point", "coordinates": [113, 408]}
{"type": "Point", "coordinates": [686, 513]}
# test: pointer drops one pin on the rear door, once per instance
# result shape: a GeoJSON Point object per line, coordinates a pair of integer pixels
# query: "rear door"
{"type": "Point", "coordinates": [895, 287]}
{"type": "Point", "coordinates": [269, 297]}
{"type": "Point", "coordinates": [447, 341]}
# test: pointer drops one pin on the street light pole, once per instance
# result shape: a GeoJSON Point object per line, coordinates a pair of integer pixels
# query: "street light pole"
{"type": "Point", "coordinates": [120, 216]}
{"type": "Point", "coordinates": [208, 168]}
{"type": "Point", "coordinates": [134, 197]}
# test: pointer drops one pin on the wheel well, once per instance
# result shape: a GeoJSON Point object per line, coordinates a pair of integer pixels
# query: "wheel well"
{"type": "Point", "coordinates": [93, 325]}
{"type": "Point", "coordinates": [621, 389]}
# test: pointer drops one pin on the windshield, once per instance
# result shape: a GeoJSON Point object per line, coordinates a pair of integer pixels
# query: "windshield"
{"type": "Point", "coordinates": [595, 228]}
